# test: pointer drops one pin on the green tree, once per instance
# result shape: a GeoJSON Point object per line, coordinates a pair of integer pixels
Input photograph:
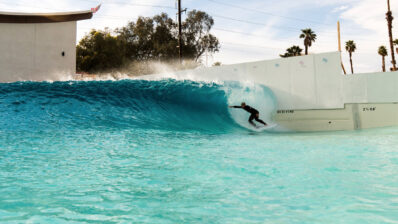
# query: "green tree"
{"type": "Point", "coordinates": [196, 35]}
{"type": "Point", "coordinates": [128, 39]}
{"type": "Point", "coordinates": [309, 37]}
{"type": "Point", "coordinates": [99, 50]}
{"type": "Point", "coordinates": [383, 53]}
{"type": "Point", "coordinates": [350, 47]}
{"type": "Point", "coordinates": [148, 38]}
{"type": "Point", "coordinates": [164, 38]}
{"type": "Point", "coordinates": [292, 52]}
{"type": "Point", "coordinates": [144, 29]}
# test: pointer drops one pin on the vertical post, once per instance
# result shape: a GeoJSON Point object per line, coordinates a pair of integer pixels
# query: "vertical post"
{"type": "Point", "coordinates": [390, 18]}
{"type": "Point", "coordinates": [179, 31]}
{"type": "Point", "coordinates": [339, 38]}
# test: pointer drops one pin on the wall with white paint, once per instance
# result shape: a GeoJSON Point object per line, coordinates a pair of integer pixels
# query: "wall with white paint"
{"type": "Point", "coordinates": [305, 82]}
{"type": "Point", "coordinates": [34, 51]}
{"type": "Point", "coordinates": [371, 88]}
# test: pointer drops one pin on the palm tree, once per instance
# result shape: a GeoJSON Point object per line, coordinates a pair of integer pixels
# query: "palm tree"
{"type": "Point", "coordinates": [383, 53]}
{"type": "Point", "coordinates": [350, 46]}
{"type": "Point", "coordinates": [395, 42]}
{"type": "Point", "coordinates": [390, 18]}
{"type": "Point", "coordinates": [309, 37]}
{"type": "Point", "coordinates": [295, 50]}
{"type": "Point", "coordinates": [292, 51]}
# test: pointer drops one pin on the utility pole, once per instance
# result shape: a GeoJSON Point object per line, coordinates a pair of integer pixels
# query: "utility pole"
{"type": "Point", "coordinates": [339, 35]}
{"type": "Point", "coordinates": [339, 39]}
{"type": "Point", "coordinates": [179, 31]}
{"type": "Point", "coordinates": [390, 18]}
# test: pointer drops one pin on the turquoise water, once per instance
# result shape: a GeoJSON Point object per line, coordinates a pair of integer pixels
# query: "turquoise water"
{"type": "Point", "coordinates": [171, 152]}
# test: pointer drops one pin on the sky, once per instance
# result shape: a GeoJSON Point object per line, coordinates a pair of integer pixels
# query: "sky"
{"type": "Point", "coordinates": [251, 30]}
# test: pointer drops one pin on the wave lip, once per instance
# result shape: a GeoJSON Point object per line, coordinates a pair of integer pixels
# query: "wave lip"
{"type": "Point", "coordinates": [165, 104]}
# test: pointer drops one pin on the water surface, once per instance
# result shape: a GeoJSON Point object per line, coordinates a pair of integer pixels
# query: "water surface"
{"type": "Point", "coordinates": [171, 152]}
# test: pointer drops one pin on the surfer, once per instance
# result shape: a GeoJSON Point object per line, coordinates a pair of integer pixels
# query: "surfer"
{"type": "Point", "coordinates": [254, 114]}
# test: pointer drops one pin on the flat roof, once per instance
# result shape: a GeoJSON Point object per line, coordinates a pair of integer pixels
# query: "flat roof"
{"type": "Point", "coordinates": [16, 17]}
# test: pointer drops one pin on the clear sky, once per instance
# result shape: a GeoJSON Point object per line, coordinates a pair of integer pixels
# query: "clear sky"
{"type": "Point", "coordinates": [252, 29]}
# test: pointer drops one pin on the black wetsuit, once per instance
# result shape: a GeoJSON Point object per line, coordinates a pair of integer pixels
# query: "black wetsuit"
{"type": "Point", "coordinates": [254, 114]}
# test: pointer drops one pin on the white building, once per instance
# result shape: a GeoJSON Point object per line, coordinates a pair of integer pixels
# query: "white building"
{"type": "Point", "coordinates": [38, 46]}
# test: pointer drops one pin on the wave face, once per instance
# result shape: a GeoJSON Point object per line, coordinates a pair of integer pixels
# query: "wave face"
{"type": "Point", "coordinates": [161, 105]}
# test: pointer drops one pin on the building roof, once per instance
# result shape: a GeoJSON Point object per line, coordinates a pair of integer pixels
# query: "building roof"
{"type": "Point", "coordinates": [14, 17]}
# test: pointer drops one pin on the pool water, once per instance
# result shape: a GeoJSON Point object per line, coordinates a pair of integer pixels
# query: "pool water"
{"type": "Point", "coordinates": [171, 151]}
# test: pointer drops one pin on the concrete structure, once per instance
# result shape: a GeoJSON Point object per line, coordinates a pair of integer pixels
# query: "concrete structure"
{"type": "Point", "coordinates": [38, 46]}
{"type": "Point", "coordinates": [312, 93]}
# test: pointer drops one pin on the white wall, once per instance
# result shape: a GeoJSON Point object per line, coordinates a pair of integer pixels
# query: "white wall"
{"type": "Point", "coordinates": [306, 82]}
{"type": "Point", "coordinates": [371, 88]}
{"type": "Point", "coordinates": [34, 51]}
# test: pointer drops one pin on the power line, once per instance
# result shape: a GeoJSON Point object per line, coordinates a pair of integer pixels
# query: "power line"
{"type": "Point", "coordinates": [284, 28]}
{"type": "Point", "coordinates": [239, 32]}
{"type": "Point", "coordinates": [270, 14]}
{"type": "Point", "coordinates": [254, 46]}
{"type": "Point", "coordinates": [221, 17]}
{"type": "Point", "coordinates": [217, 16]}
{"type": "Point", "coordinates": [266, 13]}
{"type": "Point", "coordinates": [245, 21]}
{"type": "Point", "coordinates": [288, 29]}
{"type": "Point", "coordinates": [262, 36]}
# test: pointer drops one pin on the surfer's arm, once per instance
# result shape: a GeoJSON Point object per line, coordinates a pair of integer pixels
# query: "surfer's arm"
{"type": "Point", "coordinates": [235, 107]}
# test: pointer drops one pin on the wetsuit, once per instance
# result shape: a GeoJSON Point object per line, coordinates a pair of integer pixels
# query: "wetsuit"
{"type": "Point", "coordinates": [254, 114]}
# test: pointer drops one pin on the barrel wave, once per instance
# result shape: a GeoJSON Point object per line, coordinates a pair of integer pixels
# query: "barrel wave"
{"type": "Point", "coordinates": [171, 151]}
{"type": "Point", "coordinates": [161, 105]}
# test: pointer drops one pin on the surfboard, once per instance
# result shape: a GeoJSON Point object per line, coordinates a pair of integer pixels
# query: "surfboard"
{"type": "Point", "coordinates": [269, 126]}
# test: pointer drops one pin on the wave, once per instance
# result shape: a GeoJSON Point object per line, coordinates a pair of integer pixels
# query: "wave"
{"type": "Point", "coordinates": [163, 104]}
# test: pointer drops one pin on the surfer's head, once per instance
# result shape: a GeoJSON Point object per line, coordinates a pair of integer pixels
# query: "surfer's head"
{"type": "Point", "coordinates": [243, 104]}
